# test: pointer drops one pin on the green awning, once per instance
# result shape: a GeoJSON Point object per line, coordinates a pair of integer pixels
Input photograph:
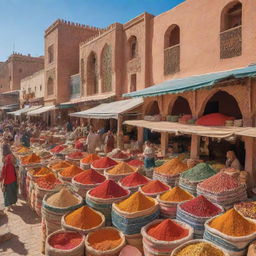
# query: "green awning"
{"type": "Point", "coordinates": [193, 82]}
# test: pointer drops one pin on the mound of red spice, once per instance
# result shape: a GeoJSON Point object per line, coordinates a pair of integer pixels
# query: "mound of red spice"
{"type": "Point", "coordinates": [200, 207]}
{"type": "Point", "coordinates": [104, 162]}
{"type": "Point", "coordinates": [108, 189]}
{"type": "Point", "coordinates": [154, 186]}
{"type": "Point", "coordinates": [58, 149]}
{"type": "Point", "coordinates": [120, 155]}
{"type": "Point", "coordinates": [136, 163]}
{"type": "Point", "coordinates": [65, 240]}
{"type": "Point", "coordinates": [134, 179]}
{"type": "Point", "coordinates": [215, 119]}
{"type": "Point", "coordinates": [219, 183]}
{"type": "Point", "coordinates": [89, 177]}
{"type": "Point", "coordinates": [167, 230]}
{"type": "Point", "coordinates": [48, 181]}
{"type": "Point", "coordinates": [76, 155]}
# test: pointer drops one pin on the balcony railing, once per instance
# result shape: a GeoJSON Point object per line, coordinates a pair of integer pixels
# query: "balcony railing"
{"type": "Point", "coordinates": [172, 60]}
{"type": "Point", "coordinates": [231, 43]}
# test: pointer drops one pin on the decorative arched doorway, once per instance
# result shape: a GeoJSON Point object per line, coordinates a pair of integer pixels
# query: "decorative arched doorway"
{"type": "Point", "coordinates": [180, 107]}
{"type": "Point", "coordinates": [216, 149]}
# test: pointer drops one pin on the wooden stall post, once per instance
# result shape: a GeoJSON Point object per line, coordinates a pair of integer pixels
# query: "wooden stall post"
{"type": "Point", "coordinates": [195, 146]}
{"type": "Point", "coordinates": [119, 136]}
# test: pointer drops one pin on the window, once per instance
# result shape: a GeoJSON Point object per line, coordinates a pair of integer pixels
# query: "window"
{"type": "Point", "coordinates": [231, 30]}
{"type": "Point", "coordinates": [35, 88]}
{"type": "Point", "coordinates": [106, 69]}
{"type": "Point", "coordinates": [231, 16]}
{"type": "Point", "coordinates": [92, 74]}
{"type": "Point", "coordinates": [20, 70]}
{"type": "Point", "coordinates": [133, 47]}
{"type": "Point", "coordinates": [40, 87]}
{"type": "Point", "coordinates": [1, 86]}
{"type": "Point", "coordinates": [172, 50]}
{"type": "Point", "coordinates": [50, 88]}
{"type": "Point", "coordinates": [10, 78]}
{"type": "Point", "coordinates": [50, 54]}
{"type": "Point", "coordinates": [133, 84]}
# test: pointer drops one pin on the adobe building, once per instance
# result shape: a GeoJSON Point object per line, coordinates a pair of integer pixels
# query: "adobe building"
{"type": "Point", "coordinates": [17, 67]}
{"type": "Point", "coordinates": [203, 62]}
{"type": "Point", "coordinates": [33, 89]}
{"type": "Point", "coordinates": [62, 41]}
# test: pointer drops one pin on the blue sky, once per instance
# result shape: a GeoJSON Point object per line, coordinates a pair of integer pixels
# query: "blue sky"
{"type": "Point", "coordinates": [22, 22]}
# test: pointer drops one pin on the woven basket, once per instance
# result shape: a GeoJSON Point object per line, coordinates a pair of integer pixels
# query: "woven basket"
{"type": "Point", "coordinates": [53, 215]}
{"type": "Point", "coordinates": [154, 247]}
{"type": "Point", "coordinates": [65, 226]}
{"type": "Point", "coordinates": [234, 246]}
{"type": "Point", "coordinates": [195, 241]}
{"type": "Point", "coordinates": [194, 221]}
{"type": "Point", "coordinates": [77, 251]}
{"type": "Point", "coordinates": [90, 251]}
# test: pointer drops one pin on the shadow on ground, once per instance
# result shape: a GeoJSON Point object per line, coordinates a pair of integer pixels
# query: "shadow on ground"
{"type": "Point", "coordinates": [27, 215]}
{"type": "Point", "coordinates": [15, 245]}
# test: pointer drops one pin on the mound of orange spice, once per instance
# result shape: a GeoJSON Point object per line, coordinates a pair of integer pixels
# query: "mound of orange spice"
{"type": "Point", "coordinates": [30, 159]}
{"type": "Point", "coordinates": [71, 171]}
{"type": "Point", "coordinates": [172, 167]}
{"type": "Point", "coordinates": [104, 239]}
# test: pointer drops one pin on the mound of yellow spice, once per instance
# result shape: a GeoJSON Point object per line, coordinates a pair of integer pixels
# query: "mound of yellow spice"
{"type": "Point", "coordinates": [136, 202]}
{"type": "Point", "coordinates": [172, 167]}
{"type": "Point", "coordinates": [231, 223]}
{"type": "Point", "coordinates": [200, 249]}
{"type": "Point", "coordinates": [176, 194]}
{"type": "Point", "coordinates": [122, 168]}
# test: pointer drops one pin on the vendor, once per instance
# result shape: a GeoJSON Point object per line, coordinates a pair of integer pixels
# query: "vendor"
{"type": "Point", "coordinates": [149, 155]}
{"type": "Point", "coordinates": [232, 161]}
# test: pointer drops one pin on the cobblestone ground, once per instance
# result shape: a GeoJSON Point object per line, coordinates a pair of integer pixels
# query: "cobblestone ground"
{"type": "Point", "coordinates": [24, 225]}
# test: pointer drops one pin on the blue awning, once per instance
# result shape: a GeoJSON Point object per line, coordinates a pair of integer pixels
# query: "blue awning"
{"type": "Point", "coordinates": [193, 82]}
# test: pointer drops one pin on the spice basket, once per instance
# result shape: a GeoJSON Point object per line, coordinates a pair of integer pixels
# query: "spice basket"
{"type": "Point", "coordinates": [77, 251]}
{"type": "Point", "coordinates": [82, 189]}
{"type": "Point", "coordinates": [65, 226]}
{"type": "Point", "coordinates": [195, 241]}
{"type": "Point", "coordinates": [194, 221]}
{"type": "Point", "coordinates": [168, 209]}
{"type": "Point", "coordinates": [90, 251]}
{"type": "Point", "coordinates": [73, 161]}
{"type": "Point", "coordinates": [234, 246]}
{"type": "Point", "coordinates": [154, 195]}
{"type": "Point", "coordinates": [131, 223]}
{"type": "Point", "coordinates": [103, 205]}
{"type": "Point", "coordinates": [227, 199]}
{"type": "Point", "coordinates": [39, 195]}
{"type": "Point", "coordinates": [171, 180]}
{"type": "Point", "coordinates": [116, 177]}
{"type": "Point", "coordinates": [53, 215]}
{"type": "Point", "coordinates": [154, 247]}
{"type": "Point", "coordinates": [133, 188]}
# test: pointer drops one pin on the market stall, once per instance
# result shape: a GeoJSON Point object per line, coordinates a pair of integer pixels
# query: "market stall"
{"type": "Point", "coordinates": [111, 111]}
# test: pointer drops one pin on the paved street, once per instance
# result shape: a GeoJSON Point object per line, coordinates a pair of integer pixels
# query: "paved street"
{"type": "Point", "coordinates": [24, 224]}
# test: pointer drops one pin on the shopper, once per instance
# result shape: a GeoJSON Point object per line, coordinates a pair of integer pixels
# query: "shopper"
{"type": "Point", "coordinates": [9, 182]}
{"type": "Point", "coordinates": [149, 155]}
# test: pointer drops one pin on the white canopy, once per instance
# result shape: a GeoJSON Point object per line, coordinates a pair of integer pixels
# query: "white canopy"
{"type": "Point", "coordinates": [110, 110]}
{"type": "Point", "coordinates": [23, 110]}
{"type": "Point", "coordinates": [207, 131]}
{"type": "Point", "coordinates": [41, 110]}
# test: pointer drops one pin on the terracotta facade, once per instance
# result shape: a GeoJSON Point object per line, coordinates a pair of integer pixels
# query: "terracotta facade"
{"type": "Point", "coordinates": [62, 41]}
{"type": "Point", "coordinates": [17, 67]}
